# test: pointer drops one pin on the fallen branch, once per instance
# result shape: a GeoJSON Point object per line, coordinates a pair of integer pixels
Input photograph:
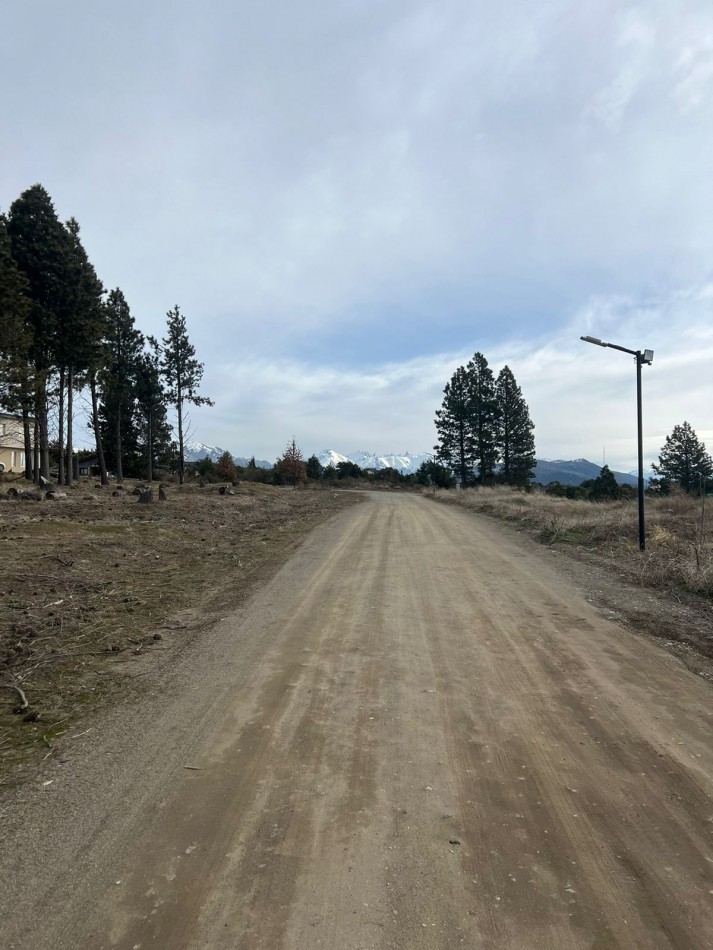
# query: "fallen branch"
{"type": "Point", "coordinates": [20, 693]}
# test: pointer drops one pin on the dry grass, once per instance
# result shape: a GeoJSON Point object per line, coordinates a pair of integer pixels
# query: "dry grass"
{"type": "Point", "coordinates": [679, 528]}
{"type": "Point", "coordinates": [94, 582]}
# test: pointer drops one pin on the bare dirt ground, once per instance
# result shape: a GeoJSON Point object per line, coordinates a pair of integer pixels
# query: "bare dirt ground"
{"type": "Point", "coordinates": [95, 584]}
{"type": "Point", "coordinates": [419, 734]}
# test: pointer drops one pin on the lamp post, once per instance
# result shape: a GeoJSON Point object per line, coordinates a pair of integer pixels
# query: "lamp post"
{"type": "Point", "coordinates": [641, 357]}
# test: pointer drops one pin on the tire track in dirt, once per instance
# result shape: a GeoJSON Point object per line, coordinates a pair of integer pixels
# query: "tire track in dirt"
{"type": "Point", "coordinates": [581, 814]}
{"type": "Point", "coordinates": [252, 827]}
{"type": "Point", "coordinates": [417, 737]}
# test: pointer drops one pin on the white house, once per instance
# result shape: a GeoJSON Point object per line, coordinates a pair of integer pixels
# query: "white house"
{"type": "Point", "coordinates": [12, 443]}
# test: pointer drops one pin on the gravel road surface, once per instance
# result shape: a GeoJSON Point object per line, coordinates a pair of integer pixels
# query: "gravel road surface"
{"type": "Point", "coordinates": [418, 735]}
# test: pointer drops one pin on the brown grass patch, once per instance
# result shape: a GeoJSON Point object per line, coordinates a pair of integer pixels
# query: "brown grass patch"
{"type": "Point", "coordinates": [92, 583]}
{"type": "Point", "coordinates": [679, 528]}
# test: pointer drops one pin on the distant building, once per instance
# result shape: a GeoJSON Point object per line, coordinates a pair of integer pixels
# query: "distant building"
{"type": "Point", "coordinates": [12, 443]}
{"type": "Point", "coordinates": [88, 466]}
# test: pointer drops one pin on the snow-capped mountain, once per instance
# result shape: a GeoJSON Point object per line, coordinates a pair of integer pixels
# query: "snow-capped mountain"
{"type": "Point", "coordinates": [196, 451]}
{"type": "Point", "coordinates": [404, 463]}
{"type": "Point", "coordinates": [330, 457]}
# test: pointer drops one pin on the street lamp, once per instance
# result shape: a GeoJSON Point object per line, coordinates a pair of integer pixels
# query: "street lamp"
{"type": "Point", "coordinates": [647, 356]}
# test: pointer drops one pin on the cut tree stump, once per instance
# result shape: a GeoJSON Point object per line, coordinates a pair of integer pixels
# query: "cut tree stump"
{"type": "Point", "coordinates": [162, 493]}
{"type": "Point", "coordinates": [146, 496]}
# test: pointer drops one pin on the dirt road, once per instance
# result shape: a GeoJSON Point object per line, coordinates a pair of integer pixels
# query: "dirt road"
{"type": "Point", "coordinates": [417, 736]}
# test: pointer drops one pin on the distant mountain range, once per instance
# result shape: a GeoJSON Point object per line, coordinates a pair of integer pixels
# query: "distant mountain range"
{"type": "Point", "coordinates": [575, 472]}
{"type": "Point", "coordinates": [195, 451]}
{"type": "Point", "coordinates": [404, 463]}
{"type": "Point", "coordinates": [572, 472]}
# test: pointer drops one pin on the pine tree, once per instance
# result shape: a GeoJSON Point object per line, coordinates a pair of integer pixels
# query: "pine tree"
{"type": "Point", "coordinates": [515, 439]}
{"type": "Point", "coordinates": [684, 461]}
{"type": "Point", "coordinates": [604, 487]}
{"type": "Point", "coordinates": [454, 424]}
{"type": "Point", "coordinates": [225, 467]}
{"type": "Point", "coordinates": [82, 332]}
{"type": "Point", "coordinates": [124, 346]}
{"type": "Point", "coordinates": [313, 467]}
{"type": "Point", "coordinates": [182, 373]}
{"type": "Point", "coordinates": [154, 430]}
{"type": "Point", "coordinates": [41, 249]}
{"type": "Point", "coordinates": [484, 417]}
{"type": "Point", "coordinates": [290, 467]}
{"type": "Point", "coordinates": [14, 332]}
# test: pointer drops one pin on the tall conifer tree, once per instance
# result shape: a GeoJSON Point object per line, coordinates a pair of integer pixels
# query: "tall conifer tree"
{"type": "Point", "coordinates": [40, 247]}
{"type": "Point", "coordinates": [182, 373]}
{"type": "Point", "coordinates": [454, 424]}
{"type": "Point", "coordinates": [684, 461]}
{"type": "Point", "coordinates": [118, 379]}
{"type": "Point", "coordinates": [84, 327]}
{"type": "Point", "coordinates": [516, 441]}
{"type": "Point", "coordinates": [14, 332]}
{"type": "Point", "coordinates": [151, 404]}
{"type": "Point", "coordinates": [484, 417]}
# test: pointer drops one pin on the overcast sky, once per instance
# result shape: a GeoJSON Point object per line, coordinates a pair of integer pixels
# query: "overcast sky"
{"type": "Point", "coordinates": [348, 198]}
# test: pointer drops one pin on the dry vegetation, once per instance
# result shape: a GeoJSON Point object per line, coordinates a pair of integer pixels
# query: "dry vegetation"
{"type": "Point", "coordinates": [677, 562]}
{"type": "Point", "coordinates": [93, 583]}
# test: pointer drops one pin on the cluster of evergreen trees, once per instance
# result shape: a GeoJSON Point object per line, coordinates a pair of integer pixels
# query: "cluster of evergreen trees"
{"type": "Point", "coordinates": [485, 433]}
{"type": "Point", "coordinates": [60, 334]}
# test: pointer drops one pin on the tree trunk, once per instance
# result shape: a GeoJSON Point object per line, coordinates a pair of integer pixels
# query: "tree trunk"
{"type": "Point", "coordinates": [29, 469]}
{"type": "Point", "coordinates": [181, 463]}
{"type": "Point", "coordinates": [60, 435]}
{"type": "Point", "coordinates": [44, 466]}
{"type": "Point", "coordinates": [461, 449]}
{"type": "Point", "coordinates": [36, 446]}
{"type": "Point", "coordinates": [70, 432]}
{"type": "Point", "coordinates": [44, 444]}
{"type": "Point", "coordinates": [97, 432]}
{"type": "Point", "coordinates": [119, 460]}
{"type": "Point", "coordinates": [149, 447]}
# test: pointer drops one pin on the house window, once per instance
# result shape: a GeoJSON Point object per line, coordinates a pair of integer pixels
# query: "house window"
{"type": "Point", "coordinates": [2, 428]}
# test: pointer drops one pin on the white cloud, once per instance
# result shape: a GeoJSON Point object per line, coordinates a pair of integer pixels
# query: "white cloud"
{"type": "Point", "coordinates": [581, 398]}
{"type": "Point", "coordinates": [636, 40]}
{"type": "Point", "coordinates": [693, 69]}
{"type": "Point", "coordinates": [333, 194]}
